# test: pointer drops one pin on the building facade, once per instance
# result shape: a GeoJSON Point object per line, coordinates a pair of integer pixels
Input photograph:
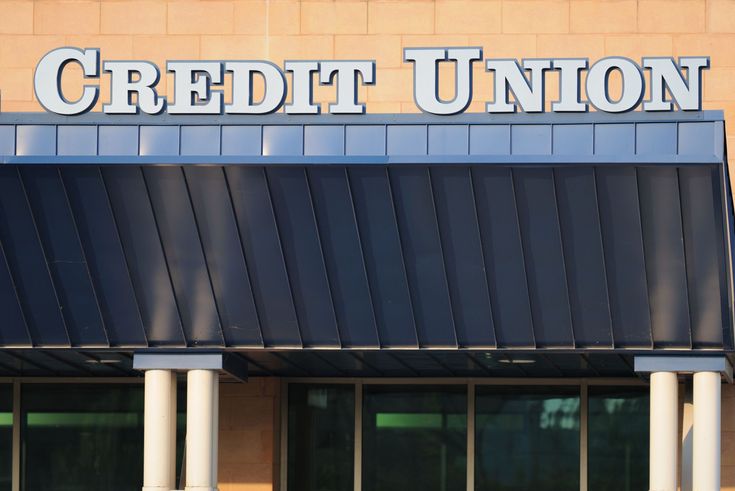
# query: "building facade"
{"type": "Point", "coordinates": [381, 301]}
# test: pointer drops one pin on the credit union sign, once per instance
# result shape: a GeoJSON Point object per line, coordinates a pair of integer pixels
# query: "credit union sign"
{"type": "Point", "coordinates": [206, 86]}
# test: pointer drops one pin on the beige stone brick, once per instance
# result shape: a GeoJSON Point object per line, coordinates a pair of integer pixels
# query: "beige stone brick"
{"type": "Point", "coordinates": [284, 18]}
{"type": "Point", "coordinates": [233, 47]}
{"type": "Point", "coordinates": [301, 48]}
{"type": "Point", "coordinates": [70, 17]}
{"type": "Point", "coordinates": [257, 412]}
{"type": "Point", "coordinates": [727, 444]}
{"type": "Point", "coordinates": [593, 16]}
{"type": "Point", "coordinates": [111, 47]}
{"type": "Point", "coordinates": [468, 17]}
{"type": "Point", "coordinates": [393, 85]}
{"type": "Point", "coordinates": [637, 46]}
{"type": "Point", "coordinates": [720, 47]}
{"type": "Point", "coordinates": [376, 107]}
{"type": "Point", "coordinates": [16, 18]}
{"type": "Point", "coordinates": [20, 106]}
{"type": "Point", "coordinates": [26, 50]}
{"type": "Point", "coordinates": [506, 45]}
{"type": "Point", "coordinates": [728, 476]}
{"type": "Point", "coordinates": [158, 49]}
{"type": "Point", "coordinates": [718, 84]}
{"type": "Point", "coordinates": [410, 108]}
{"type": "Point", "coordinates": [138, 17]}
{"type": "Point", "coordinates": [200, 17]}
{"type": "Point", "coordinates": [385, 49]}
{"type": "Point", "coordinates": [250, 17]}
{"type": "Point", "coordinates": [16, 84]}
{"type": "Point", "coordinates": [252, 388]}
{"type": "Point", "coordinates": [720, 16]}
{"type": "Point", "coordinates": [477, 107]}
{"type": "Point", "coordinates": [671, 16]}
{"type": "Point", "coordinates": [334, 18]}
{"type": "Point", "coordinates": [246, 446]}
{"type": "Point", "coordinates": [536, 16]}
{"type": "Point", "coordinates": [431, 40]}
{"type": "Point", "coordinates": [571, 46]}
{"type": "Point", "coordinates": [728, 405]}
{"type": "Point", "coordinates": [408, 17]}
{"type": "Point", "coordinates": [246, 477]}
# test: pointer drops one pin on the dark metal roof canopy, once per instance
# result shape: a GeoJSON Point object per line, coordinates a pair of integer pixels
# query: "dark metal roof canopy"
{"type": "Point", "coordinates": [574, 233]}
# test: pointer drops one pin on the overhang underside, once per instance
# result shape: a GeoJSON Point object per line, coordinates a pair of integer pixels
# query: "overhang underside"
{"type": "Point", "coordinates": [440, 364]}
{"type": "Point", "coordinates": [335, 363]}
{"type": "Point", "coordinates": [418, 258]}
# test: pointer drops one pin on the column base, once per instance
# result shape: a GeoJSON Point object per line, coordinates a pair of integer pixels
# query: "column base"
{"type": "Point", "coordinates": [156, 488]}
{"type": "Point", "coordinates": [200, 488]}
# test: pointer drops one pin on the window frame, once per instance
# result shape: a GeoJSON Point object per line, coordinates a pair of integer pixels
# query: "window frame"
{"type": "Point", "coordinates": [16, 382]}
{"type": "Point", "coordinates": [470, 383]}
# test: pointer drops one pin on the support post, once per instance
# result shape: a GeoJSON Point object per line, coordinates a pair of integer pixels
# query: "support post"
{"type": "Point", "coordinates": [663, 438]}
{"type": "Point", "coordinates": [200, 440]}
{"type": "Point", "coordinates": [706, 441]}
{"type": "Point", "coordinates": [159, 435]}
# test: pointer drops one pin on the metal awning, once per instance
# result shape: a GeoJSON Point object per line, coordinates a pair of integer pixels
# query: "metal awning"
{"type": "Point", "coordinates": [381, 232]}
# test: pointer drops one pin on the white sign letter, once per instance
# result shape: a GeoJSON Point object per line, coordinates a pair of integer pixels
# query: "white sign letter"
{"type": "Point", "coordinates": [47, 80]}
{"type": "Point", "coordinates": [345, 75]}
{"type": "Point", "coordinates": [123, 87]}
{"type": "Point", "coordinates": [665, 74]}
{"type": "Point", "coordinates": [193, 82]}
{"type": "Point", "coordinates": [598, 91]}
{"type": "Point", "coordinates": [243, 73]}
{"type": "Point", "coordinates": [569, 86]}
{"type": "Point", "coordinates": [509, 77]}
{"type": "Point", "coordinates": [302, 88]}
{"type": "Point", "coordinates": [426, 77]}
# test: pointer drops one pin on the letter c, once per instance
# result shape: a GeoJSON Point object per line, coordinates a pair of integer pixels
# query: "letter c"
{"type": "Point", "coordinates": [47, 80]}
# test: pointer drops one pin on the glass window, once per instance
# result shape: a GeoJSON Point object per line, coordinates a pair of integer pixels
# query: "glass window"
{"type": "Point", "coordinates": [414, 438]}
{"type": "Point", "coordinates": [84, 437]}
{"type": "Point", "coordinates": [6, 436]}
{"type": "Point", "coordinates": [527, 438]}
{"type": "Point", "coordinates": [321, 437]}
{"type": "Point", "coordinates": [617, 457]}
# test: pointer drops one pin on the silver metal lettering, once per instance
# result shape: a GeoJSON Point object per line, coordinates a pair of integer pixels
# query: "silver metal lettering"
{"type": "Point", "coordinates": [47, 80]}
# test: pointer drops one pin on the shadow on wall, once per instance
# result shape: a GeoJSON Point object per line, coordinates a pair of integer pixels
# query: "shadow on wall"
{"type": "Point", "coordinates": [247, 434]}
{"type": "Point", "coordinates": [728, 438]}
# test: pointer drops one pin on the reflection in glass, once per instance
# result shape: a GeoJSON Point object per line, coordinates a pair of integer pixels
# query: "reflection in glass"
{"type": "Point", "coordinates": [83, 437]}
{"type": "Point", "coordinates": [414, 438]}
{"type": "Point", "coordinates": [618, 439]}
{"type": "Point", "coordinates": [527, 438]}
{"type": "Point", "coordinates": [321, 437]}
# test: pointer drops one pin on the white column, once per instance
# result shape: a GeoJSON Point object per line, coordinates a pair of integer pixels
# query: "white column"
{"type": "Point", "coordinates": [664, 443]}
{"type": "Point", "coordinates": [706, 445]}
{"type": "Point", "coordinates": [215, 431]}
{"type": "Point", "coordinates": [159, 435]}
{"type": "Point", "coordinates": [200, 440]}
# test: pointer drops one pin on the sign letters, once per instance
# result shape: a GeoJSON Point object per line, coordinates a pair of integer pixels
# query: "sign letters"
{"type": "Point", "coordinates": [227, 87]}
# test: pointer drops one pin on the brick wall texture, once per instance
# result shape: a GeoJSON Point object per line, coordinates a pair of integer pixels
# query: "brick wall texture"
{"type": "Point", "coordinates": [248, 435]}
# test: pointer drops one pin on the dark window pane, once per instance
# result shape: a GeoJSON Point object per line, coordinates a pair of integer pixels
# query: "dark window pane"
{"type": "Point", "coordinates": [618, 439]}
{"type": "Point", "coordinates": [6, 436]}
{"type": "Point", "coordinates": [527, 438]}
{"type": "Point", "coordinates": [321, 437]}
{"type": "Point", "coordinates": [83, 437]}
{"type": "Point", "coordinates": [414, 438]}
